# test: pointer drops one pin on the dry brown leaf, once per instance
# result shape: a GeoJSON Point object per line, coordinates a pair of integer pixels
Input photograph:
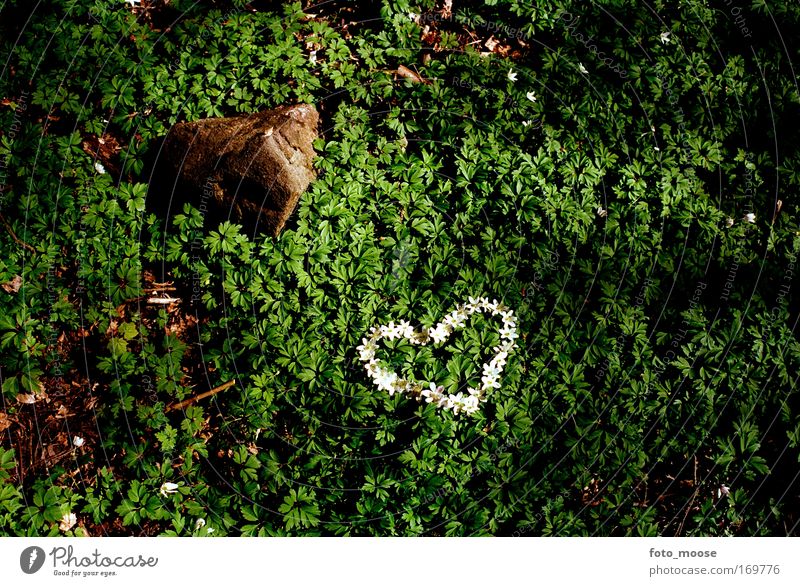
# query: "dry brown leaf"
{"type": "Point", "coordinates": [13, 285]}
{"type": "Point", "coordinates": [26, 398]}
{"type": "Point", "coordinates": [404, 71]}
{"type": "Point", "coordinates": [5, 422]}
{"type": "Point", "coordinates": [447, 9]}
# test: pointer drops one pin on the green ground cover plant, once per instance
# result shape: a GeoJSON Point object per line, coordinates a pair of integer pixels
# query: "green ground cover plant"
{"type": "Point", "coordinates": [625, 178]}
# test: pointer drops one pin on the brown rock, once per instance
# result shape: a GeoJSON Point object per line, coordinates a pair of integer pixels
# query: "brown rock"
{"type": "Point", "coordinates": [256, 165]}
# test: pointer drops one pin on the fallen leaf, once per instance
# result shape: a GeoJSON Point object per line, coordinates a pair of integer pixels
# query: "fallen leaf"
{"type": "Point", "coordinates": [5, 422]}
{"type": "Point", "coordinates": [404, 71]}
{"type": "Point", "coordinates": [13, 285]}
{"type": "Point", "coordinates": [26, 398]}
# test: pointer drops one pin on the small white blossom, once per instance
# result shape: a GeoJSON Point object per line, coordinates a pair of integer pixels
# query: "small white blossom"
{"type": "Point", "coordinates": [68, 521]}
{"type": "Point", "coordinates": [751, 217]}
{"type": "Point", "coordinates": [512, 75]}
{"type": "Point", "coordinates": [78, 441]}
{"type": "Point", "coordinates": [440, 333]}
{"type": "Point", "coordinates": [385, 379]}
{"type": "Point", "coordinates": [509, 334]}
{"type": "Point", "coordinates": [199, 524]}
{"type": "Point", "coordinates": [500, 359]}
{"type": "Point", "coordinates": [582, 69]}
{"type": "Point", "coordinates": [531, 96]}
{"type": "Point", "coordinates": [493, 306]}
{"type": "Point", "coordinates": [729, 222]}
{"type": "Point", "coordinates": [470, 405]}
{"type": "Point", "coordinates": [432, 394]}
{"type": "Point", "coordinates": [371, 366]}
{"type": "Point", "coordinates": [456, 403]}
{"type": "Point", "coordinates": [509, 320]}
{"type": "Point", "coordinates": [312, 57]}
{"type": "Point", "coordinates": [602, 212]}
{"type": "Point", "coordinates": [492, 370]}
{"type": "Point", "coordinates": [392, 331]}
{"type": "Point", "coordinates": [490, 381]}
{"type": "Point", "coordinates": [665, 37]}
{"type": "Point", "coordinates": [168, 488]}
{"type": "Point", "coordinates": [366, 350]}
{"type": "Point", "coordinates": [99, 168]}
{"type": "Point", "coordinates": [406, 330]}
{"type": "Point", "coordinates": [723, 491]}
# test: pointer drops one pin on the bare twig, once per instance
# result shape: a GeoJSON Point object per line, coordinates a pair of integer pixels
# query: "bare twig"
{"type": "Point", "coordinates": [691, 501]}
{"type": "Point", "coordinates": [196, 398]}
{"type": "Point", "coordinates": [16, 238]}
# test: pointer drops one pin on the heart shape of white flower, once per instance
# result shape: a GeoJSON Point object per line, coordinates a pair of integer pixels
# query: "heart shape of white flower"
{"type": "Point", "coordinates": [385, 379]}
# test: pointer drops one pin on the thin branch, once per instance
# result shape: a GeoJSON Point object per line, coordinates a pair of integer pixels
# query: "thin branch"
{"type": "Point", "coordinates": [16, 238]}
{"type": "Point", "coordinates": [196, 398]}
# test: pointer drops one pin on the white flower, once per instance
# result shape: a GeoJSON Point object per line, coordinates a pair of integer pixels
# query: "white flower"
{"type": "Point", "coordinates": [168, 488]}
{"type": "Point", "coordinates": [413, 16]}
{"type": "Point", "coordinates": [492, 370]}
{"type": "Point", "coordinates": [500, 359]}
{"type": "Point", "coordinates": [602, 212]}
{"type": "Point", "coordinates": [366, 350]}
{"type": "Point", "coordinates": [385, 379]}
{"type": "Point", "coordinates": [456, 319]}
{"type": "Point", "coordinates": [531, 96]}
{"type": "Point", "coordinates": [99, 168]}
{"type": "Point", "coordinates": [210, 530]}
{"type": "Point", "coordinates": [199, 524]}
{"type": "Point", "coordinates": [512, 75]}
{"type": "Point", "coordinates": [406, 330]}
{"type": "Point", "coordinates": [723, 491]}
{"type": "Point", "coordinates": [391, 331]}
{"type": "Point", "coordinates": [509, 333]}
{"type": "Point", "coordinates": [133, 2]}
{"type": "Point", "coordinates": [78, 441]}
{"type": "Point", "coordinates": [371, 366]}
{"type": "Point", "coordinates": [751, 217]}
{"type": "Point", "coordinates": [433, 394]}
{"type": "Point", "coordinates": [527, 122]}
{"type": "Point", "coordinates": [582, 69]}
{"type": "Point", "coordinates": [440, 333]}
{"type": "Point", "coordinates": [490, 381]}
{"type": "Point", "coordinates": [470, 404]}
{"type": "Point", "coordinates": [67, 522]}
{"type": "Point", "coordinates": [509, 319]}
{"type": "Point", "coordinates": [493, 306]}
{"type": "Point", "coordinates": [729, 222]}
{"type": "Point", "coordinates": [455, 402]}
{"type": "Point", "coordinates": [312, 57]}
{"type": "Point", "coordinates": [665, 37]}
